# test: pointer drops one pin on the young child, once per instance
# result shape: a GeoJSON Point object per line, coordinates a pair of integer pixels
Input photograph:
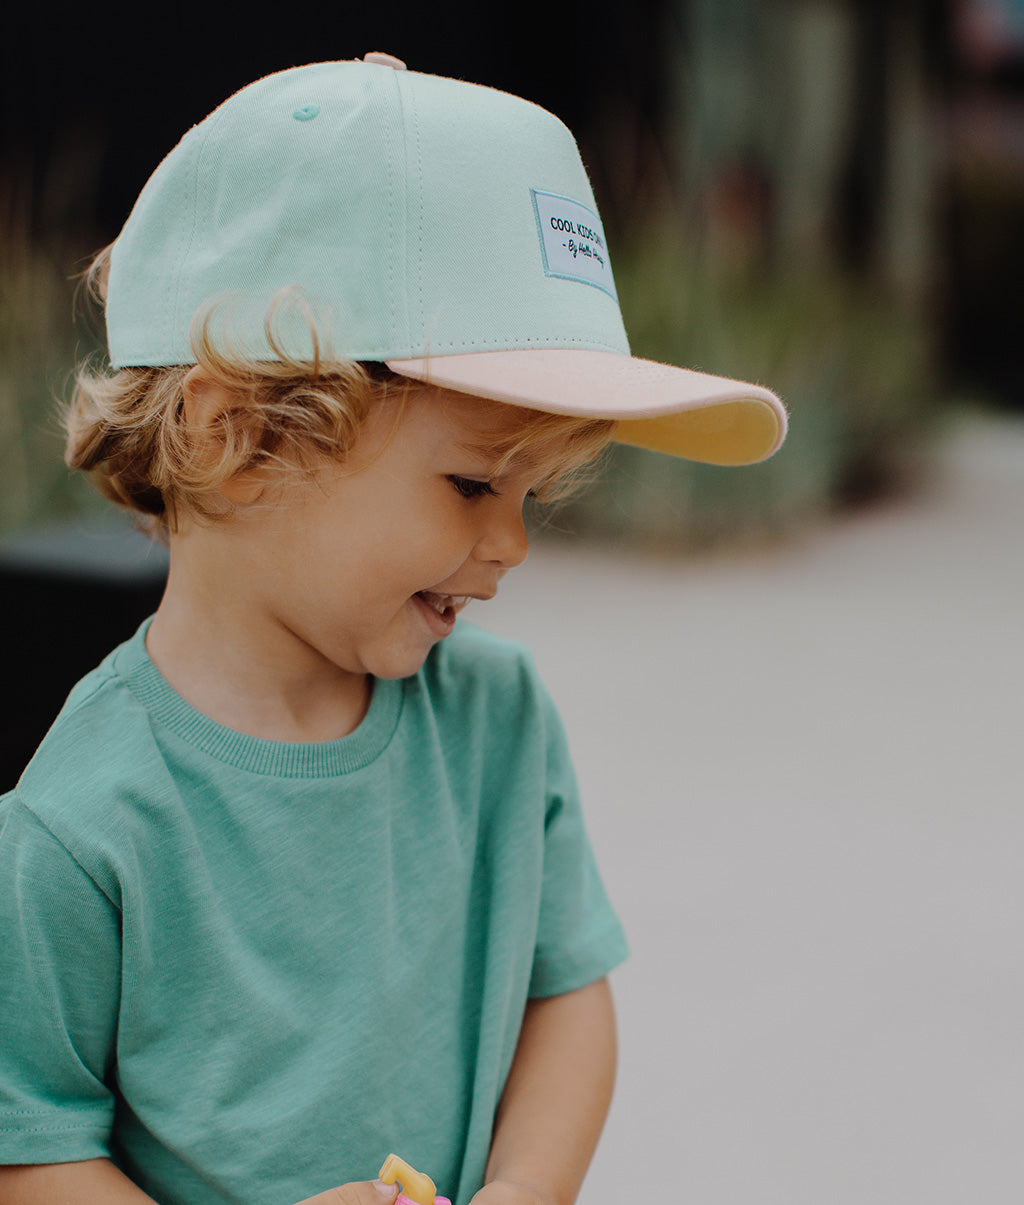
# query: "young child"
{"type": "Point", "coordinates": [299, 875]}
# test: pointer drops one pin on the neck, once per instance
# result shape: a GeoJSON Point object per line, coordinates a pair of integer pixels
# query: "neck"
{"type": "Point", "coordinates": [243, 668]}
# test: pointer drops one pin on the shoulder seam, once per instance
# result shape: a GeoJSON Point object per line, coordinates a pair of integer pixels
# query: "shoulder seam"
{"type": "Point", "coordinates": [110, 673]}
{"type": "Point", "coordinates": [14, 797]}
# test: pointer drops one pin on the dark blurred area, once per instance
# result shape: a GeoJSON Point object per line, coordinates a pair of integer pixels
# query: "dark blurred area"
{"type": "Point", "coordinates": [985, 208]}
{"type": "Point", "coordinates": [104, 91]}
{"type": "Point", "coordinates": [71, 592]}
{"type": "Point", "coordinates": [822, 194]}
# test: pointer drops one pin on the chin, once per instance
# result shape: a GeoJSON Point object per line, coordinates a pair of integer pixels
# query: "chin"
{"type": "Point", "coordinates": [399, 665]}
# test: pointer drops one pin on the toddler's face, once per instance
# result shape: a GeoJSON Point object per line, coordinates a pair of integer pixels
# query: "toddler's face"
{"type": "Point", "coordinates": [368, 566]}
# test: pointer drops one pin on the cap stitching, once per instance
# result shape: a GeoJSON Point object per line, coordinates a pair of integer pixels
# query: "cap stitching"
{"type": "Point", "coordinates": [413, 197]}
{"type": "Point", "coordinates": [545, 344]}
{"type": "Point", "coordinates": [215, 119]}
{"type": "Point", "coordinates": [419, 225]}
{"type": "Point", "coordinates": [392, 210]}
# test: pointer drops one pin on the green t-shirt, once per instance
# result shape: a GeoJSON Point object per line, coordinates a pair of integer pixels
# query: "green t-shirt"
{"type": "Point", "coordinates": [246, 970]}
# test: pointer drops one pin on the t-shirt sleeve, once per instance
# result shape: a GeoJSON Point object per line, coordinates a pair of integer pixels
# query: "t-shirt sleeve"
{"type": "Point", "coordinates": [60, 957]}
{"type": "Point", "coordinates": [579, 936]}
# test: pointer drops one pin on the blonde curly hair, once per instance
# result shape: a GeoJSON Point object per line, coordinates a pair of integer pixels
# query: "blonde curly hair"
{"type": "Point", "coordinates": [129, 429]}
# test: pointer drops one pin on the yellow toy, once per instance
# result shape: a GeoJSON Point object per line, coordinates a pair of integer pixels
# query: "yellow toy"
{"type": "Point", "coordinates": [417, 1189]}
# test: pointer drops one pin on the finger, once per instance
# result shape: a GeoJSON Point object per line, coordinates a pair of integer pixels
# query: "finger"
{"type": "Point", "coordinates": [362, 1192]}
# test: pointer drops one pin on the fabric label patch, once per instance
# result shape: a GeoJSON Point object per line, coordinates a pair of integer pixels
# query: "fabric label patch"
{"type": "Point", "coordinates": [572, 241]}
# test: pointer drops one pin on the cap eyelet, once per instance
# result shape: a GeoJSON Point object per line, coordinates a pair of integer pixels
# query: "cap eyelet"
{"type": "Point", "coordinates": [306, 113]}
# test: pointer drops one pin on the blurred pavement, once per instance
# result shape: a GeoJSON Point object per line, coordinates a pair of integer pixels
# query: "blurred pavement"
{"type": "Point", "coordinates": [801, 771]}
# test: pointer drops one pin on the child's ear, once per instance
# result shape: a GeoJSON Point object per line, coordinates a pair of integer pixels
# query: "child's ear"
{"type": "Point", "coordinates": [206, 401]}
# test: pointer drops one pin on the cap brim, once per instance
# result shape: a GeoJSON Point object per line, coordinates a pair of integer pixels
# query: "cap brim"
{"type": "Point", "coordinates": [657, 406]}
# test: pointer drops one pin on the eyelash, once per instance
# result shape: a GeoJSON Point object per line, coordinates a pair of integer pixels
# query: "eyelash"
{"type": "Point", "coordinates": [469, 487]}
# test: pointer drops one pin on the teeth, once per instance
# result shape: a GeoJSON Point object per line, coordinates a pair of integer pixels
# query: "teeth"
{"type": "Point", "coordinates": [442, 602]}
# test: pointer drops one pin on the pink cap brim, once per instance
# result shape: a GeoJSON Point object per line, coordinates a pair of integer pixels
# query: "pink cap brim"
{"type": "Point", "coordinates": [658, 406]}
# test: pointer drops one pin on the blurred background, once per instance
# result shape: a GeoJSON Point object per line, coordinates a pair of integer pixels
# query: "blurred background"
{"type": "Point", "coordinates": [821, 194]}
{"type": "Point", "coordinates": [792, 689]}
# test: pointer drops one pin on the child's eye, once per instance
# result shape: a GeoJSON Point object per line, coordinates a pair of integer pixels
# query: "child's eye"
{"type": "Point", "coordinates": [469, 487]}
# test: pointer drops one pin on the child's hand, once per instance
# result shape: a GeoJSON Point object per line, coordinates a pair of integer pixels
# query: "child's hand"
{"type": "Point", "coordinates": [507, 1192]}
{"type": "Point", "coordinates": [362, 1192]}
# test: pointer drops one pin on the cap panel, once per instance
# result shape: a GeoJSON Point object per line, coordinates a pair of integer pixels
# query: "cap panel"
{"type": "Point", "coordinates": [145, 261]}
{"type": "Point", "coordinates": [296, 182]}
{"type": "Point", "coordinates": [481, 153]}
{"type": "Point", "coordinates": [394, 200]}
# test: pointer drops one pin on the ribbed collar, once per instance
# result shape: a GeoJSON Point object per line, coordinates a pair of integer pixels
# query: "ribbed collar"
{"type": "Point", "coordinates": [283, 759]}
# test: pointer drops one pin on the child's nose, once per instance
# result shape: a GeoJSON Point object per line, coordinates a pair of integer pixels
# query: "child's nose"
{"type": "Point", "coordinates": [504, 541]}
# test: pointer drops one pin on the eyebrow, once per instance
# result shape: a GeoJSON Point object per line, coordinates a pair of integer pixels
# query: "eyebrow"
{"type": "Point", "coordinates": [480, 447]}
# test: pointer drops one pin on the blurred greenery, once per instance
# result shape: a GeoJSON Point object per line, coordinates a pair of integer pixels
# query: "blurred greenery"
{"type": "Point", "coordinates": [38, 349]}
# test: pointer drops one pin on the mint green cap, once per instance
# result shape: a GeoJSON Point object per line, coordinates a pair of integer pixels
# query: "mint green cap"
{"type": "Point", "coordinates": [443, 227]}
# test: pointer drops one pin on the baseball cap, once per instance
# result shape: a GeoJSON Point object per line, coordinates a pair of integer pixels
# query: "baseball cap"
{"type": "Point", "coordinates": [443, 227]}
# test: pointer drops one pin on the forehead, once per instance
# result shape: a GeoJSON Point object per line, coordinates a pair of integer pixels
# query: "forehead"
{"type": "Point", "coordinates": [512, 436]}
{"type": "Point", "coordinates": [475, 417]}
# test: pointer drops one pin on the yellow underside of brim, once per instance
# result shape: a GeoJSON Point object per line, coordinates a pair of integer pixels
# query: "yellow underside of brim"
{"type": "Point", "coordinates": [730, 433]}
